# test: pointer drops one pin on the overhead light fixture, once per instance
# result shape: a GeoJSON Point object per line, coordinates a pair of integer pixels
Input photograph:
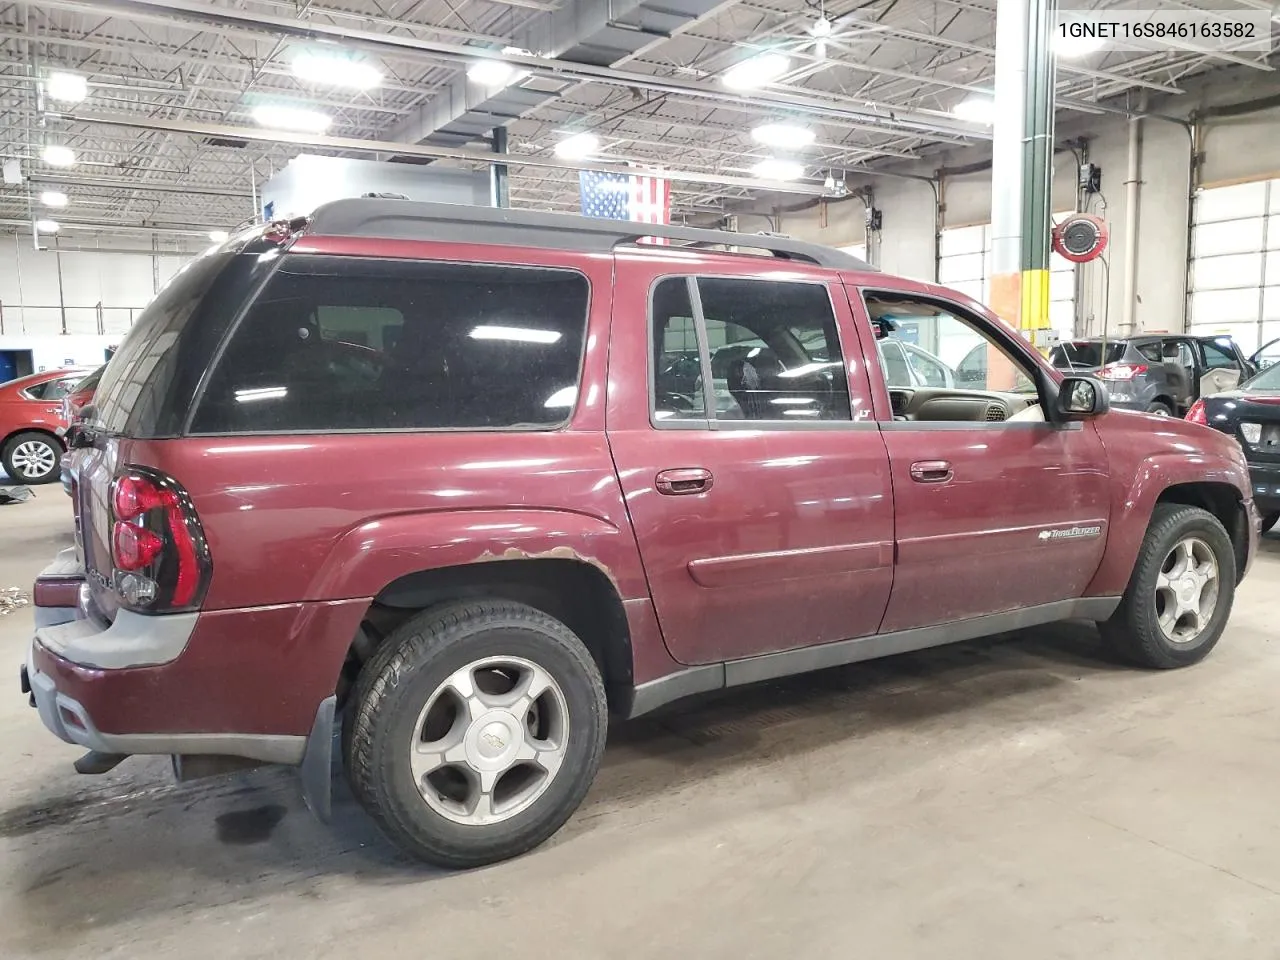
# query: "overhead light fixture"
{"type": "Point", "coordinates": [976, 109]}
{"type": "Point", "coordinates": [58, 156]}
{"type": "Point", "coordinates": [783, 136]}
{"type": "Point", "coordinates": [496, 73]}
{"type": "Point", "coordinates": [291, 118]}
{"type": "Point", "coordinates": [1067, 46]}
{"type": "Point", "coordinates": [218, 236]}
{"type": "Point", "coordinates": [66, 87]}
{"type": "Point", "coordinates": [46, 226]}
{"type": "Point", "coordinates": [776, 168]}
{"type": "Point", "coordinates": [53, 198]}
{"type": "Point", "coordinates": [335, 70]}
{"type": "Point", "coordinates": [579, 146]}
{"type": "Point", "coordinates": [756, 72]}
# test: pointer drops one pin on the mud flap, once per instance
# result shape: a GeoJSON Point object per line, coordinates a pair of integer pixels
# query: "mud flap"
{"type": "Point", "coordinates": [317, 762]}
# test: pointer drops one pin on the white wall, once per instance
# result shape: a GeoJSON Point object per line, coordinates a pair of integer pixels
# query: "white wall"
{"type": "Point", "coordinates": [33, 305]}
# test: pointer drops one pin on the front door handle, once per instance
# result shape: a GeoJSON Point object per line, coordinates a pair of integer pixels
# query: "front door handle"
{"type": "Point", "coordinates": [681, 481]}
{"type": "Point", "coordinates": [931, 471]}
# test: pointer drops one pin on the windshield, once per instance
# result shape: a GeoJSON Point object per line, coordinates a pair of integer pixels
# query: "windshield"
{"type": "Point", "coordinates": [1085, 353]}
{"type": "Point", "coordinates": [1268, 381]}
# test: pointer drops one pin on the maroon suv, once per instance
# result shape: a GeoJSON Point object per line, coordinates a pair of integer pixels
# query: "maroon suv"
{"type": "Point", "coordinates": [472, 480]}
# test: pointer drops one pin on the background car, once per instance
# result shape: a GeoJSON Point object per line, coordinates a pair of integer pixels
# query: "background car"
{"type": "Point", "coordinates": [1158, 373]}
{"type": "Point", "coordinates": [81, 396]}
{"type": "Point", "coordinates": [1251, 414]}
{"type": "Point", "coordinates": [31, 424]}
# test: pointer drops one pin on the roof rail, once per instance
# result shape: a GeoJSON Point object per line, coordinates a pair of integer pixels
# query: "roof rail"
{"type": "Point", "coordinates": [412, 220]}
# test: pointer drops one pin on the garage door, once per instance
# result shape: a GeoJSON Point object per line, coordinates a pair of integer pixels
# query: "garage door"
{"type": "Point", "coordinates": [964, 264]}
{"type": "Point", "coordinates": [1235, 263]}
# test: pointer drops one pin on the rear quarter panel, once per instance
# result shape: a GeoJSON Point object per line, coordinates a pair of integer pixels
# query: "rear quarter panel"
{"type": "Point", "coordinates": [1147, 455]}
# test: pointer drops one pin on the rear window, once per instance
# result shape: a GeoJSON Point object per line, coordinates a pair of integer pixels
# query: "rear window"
{"type": "Point", "coordinates": [1085, 353]}
{"type": "Point", "coordinates": [337, 343]}
{"type": "Point", "coordinates": [141, 371]}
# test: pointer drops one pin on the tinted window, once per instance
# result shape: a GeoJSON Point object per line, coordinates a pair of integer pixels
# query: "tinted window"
{"type": "Point", "coordinates": [1150, 351]}
{"type": "Point", "coordinates": [37, 390]}
{"type": "Point", "coordinates": [774, 345]}
{"type": "Point", "coordinates": [1218, 356]}
{"type": "Point", "coordinates": [1085, 353]}
{"type": "Point", "coordinates": [140, 372]}
{"type": "Point", "coordinates": [57, 389]}
{"type": "Point", "coordinates": [339, 344]}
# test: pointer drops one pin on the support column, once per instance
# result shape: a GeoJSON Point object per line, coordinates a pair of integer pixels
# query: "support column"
{"type": "Point", "coordinates": [1022, 163]}
{"type": "Point", "coordinates": [499, 182]}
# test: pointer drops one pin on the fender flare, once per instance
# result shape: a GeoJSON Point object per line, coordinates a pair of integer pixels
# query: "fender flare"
{"type": "Point", "coordinates": [1133, 504]}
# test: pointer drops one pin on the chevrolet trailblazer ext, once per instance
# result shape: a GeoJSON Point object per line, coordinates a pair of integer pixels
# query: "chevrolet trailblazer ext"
{"type": "Point", "coordinates": [427, 471]}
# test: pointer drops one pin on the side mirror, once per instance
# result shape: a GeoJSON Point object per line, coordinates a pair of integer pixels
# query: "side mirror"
{"type": "Point", "coordinates": [1081, 397]}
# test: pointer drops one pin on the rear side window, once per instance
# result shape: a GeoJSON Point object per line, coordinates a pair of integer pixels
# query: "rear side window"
{"type": "Point", "coordinates": [353, 344]}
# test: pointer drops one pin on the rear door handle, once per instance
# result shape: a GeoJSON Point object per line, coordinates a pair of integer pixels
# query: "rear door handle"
{"type": "Point", "coordinates": [682, 481]}
{"type": "Point", "coordinates": [931, 471]}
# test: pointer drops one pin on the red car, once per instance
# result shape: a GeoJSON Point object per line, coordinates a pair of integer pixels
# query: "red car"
{"type": "Point", "coordinates": [32, 422]}
{"type": "Point", "coordinates": [504, 515]}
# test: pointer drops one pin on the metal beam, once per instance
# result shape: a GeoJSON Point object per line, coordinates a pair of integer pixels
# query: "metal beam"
{"type": "Point", "coordinates": [884, 116]}
{"type": "Point", "coordinates": [384, 148]}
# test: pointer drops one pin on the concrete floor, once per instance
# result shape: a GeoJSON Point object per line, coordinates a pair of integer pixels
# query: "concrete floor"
{"type": "Point", "coordinates": [1022, 797]}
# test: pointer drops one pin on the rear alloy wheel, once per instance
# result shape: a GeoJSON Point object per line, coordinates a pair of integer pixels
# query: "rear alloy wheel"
{"type": "Point", "coordinates": [32, 457]}
{"type": "Point", "coordinates": [477, 728]}
{"type": "Point", "coordinates": [1160, 408]}
{"type": "Point", "coordinates": [1180, 592]}
{"type": "Point", "coordinates": [1269, 521]}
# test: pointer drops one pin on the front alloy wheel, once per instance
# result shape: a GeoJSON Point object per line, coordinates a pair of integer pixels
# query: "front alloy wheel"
{"type": "Point", "coordinates": [32, 458]}
{"type": "Point", "coordinates": [1186, 592]}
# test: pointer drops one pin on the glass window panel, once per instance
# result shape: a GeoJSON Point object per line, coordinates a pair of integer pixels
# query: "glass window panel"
{"type": "Point", "coordinates": [960, 267]}
{"type": "Point", "coordinates": [960, 240]}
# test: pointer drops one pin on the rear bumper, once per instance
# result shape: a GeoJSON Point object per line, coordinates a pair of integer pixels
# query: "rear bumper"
{"type": "Point", "coordinates": [1265, 479]}
{"type": "Point", "coordinates": [247, 683]}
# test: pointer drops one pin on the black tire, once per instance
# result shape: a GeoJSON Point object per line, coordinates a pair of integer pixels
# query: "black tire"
{"type": "Point", "coordinates": [22, 441]}
{"type": "Point", "coordinates": [1269, 521]}
{"type": "Point", "coordinates": [1133, 629]}
{"type": "Point", "coordinates": [395, 686]}
{"type": "Point", "coordinates": [1160, 407]}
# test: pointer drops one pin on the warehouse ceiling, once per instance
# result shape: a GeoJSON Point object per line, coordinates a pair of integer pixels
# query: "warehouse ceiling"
{"type": "Point", "coordinates": [175, 129]}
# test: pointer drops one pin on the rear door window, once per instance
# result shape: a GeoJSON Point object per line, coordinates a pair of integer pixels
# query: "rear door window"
{"type": "Point", "coordinates": [337, 343]}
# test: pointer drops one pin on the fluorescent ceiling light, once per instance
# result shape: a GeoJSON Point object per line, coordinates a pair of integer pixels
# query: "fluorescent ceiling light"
{"type": "Point", "coordinates": [976, 109]}
{"type": "Point", "coordinates": [335, 71]}
{"type": "Point", "coordinates": [578, 147]}
{"type": "Point", "coordinates": [53, 198]}
{"type": "Point", "coordinates": [66, 87]}
{"type": "Point", "coordinates": [291, 118]}
{"type": "Point", "coordinates": [784, 136]}
{"type": "Point", "coordinates": [519, 334]}
{"type": "Point", "coordinates": [756, 72]}
{"type": "Point", "coordinates": [776, 168]}
{"type": "Point", "coordinates": [496, 73]}
{"type": "Point", "coordinates": [47, 226]}
{"type": "Point", "coordinates": [1076, 46]}
{"type": "Point", "coordinates": [218, 236]}
{"type": "Point", "coordinates": [261, 393]}
{"type": "Point", "coordinates": [57, 156]}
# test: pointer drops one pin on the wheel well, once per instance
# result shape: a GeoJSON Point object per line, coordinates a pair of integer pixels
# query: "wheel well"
{"type": "Point", "coordinates": [1223, 501]}
{"type": "Point", "coordinates": [576, 593]}
{"type": "Point", "coordinates": [1167, 401]}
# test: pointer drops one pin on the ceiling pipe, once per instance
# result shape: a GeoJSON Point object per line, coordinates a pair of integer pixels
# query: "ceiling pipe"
{"type": "Point", "coordinates": [885, 116]}
{"type": "Point", "coordinates": [384, 147]}
{"type": "Point", "coordinates": [104, 183]}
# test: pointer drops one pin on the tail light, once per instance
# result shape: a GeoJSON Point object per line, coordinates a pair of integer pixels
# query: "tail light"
{"type": "Point", "coordinates": [158, 547]}
{"type": "Point", "coordinates": [1197, 414]}
{"type": "Point", "coordinates": [1122, 371]}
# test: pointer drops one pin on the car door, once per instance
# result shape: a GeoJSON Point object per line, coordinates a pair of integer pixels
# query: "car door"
{"type": "Point", "coordinates": [1221, 369]}
{"type": "Point", "coordinates": [1267, 355]}
{"type": "Point", "coordinates": [767, 525]}
{"type": "Point", "coordinates": [992, 514]}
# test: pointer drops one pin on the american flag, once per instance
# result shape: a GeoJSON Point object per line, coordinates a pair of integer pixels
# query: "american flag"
{"type": "Point", "coordinates": [625, 196]}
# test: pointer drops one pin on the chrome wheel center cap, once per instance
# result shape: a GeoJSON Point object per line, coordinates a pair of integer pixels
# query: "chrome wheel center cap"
{"type": "Point", "coordinates": [493, 740]}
